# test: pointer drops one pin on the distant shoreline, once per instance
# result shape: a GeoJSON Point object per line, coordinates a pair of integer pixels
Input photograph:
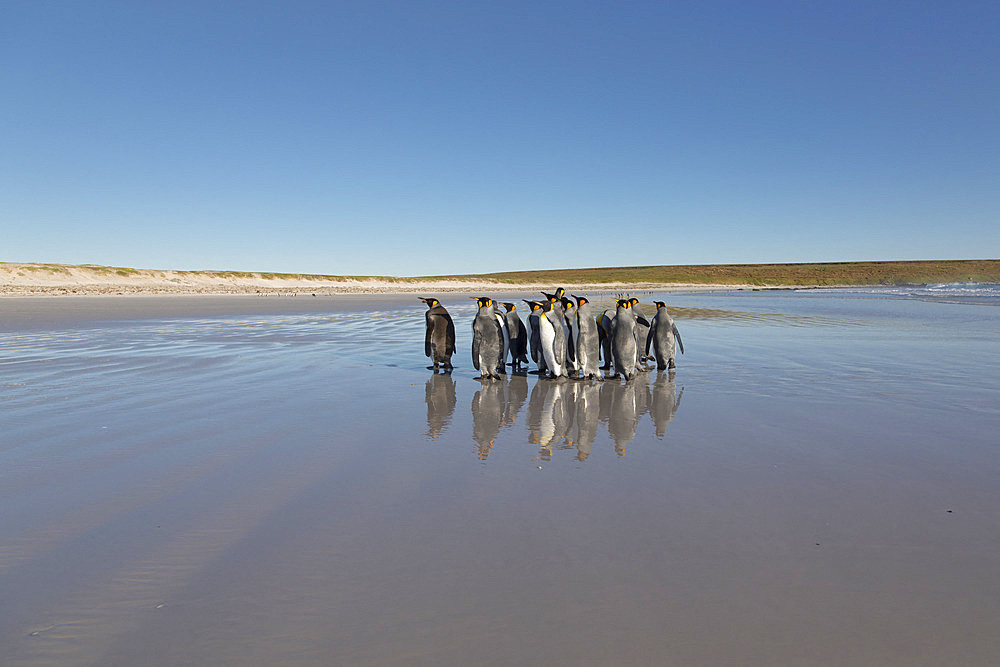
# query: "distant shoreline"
{"type": "Point", "coordinates": [29, 279]}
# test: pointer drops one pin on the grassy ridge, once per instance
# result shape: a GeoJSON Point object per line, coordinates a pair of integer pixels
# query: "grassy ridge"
{"type": "Point", "coordinates": [830, 273]}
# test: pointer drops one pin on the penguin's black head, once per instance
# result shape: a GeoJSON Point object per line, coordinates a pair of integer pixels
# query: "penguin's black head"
{"type": "Point", "coordinates": [633, 301]}
{"type": "Point", "coordinates": [509, 306]}
{"type": "Point", "coordinates": [560, 292]}
{"type": "Point", "coordinates": [567, 303]}
{"type": "Point", "coordinates": [547, 306]}
{"type": "Point", "coordinates": [580, 300]}
{"type": "Point", "coordinates": [430, 301]}
{"type": "Point", "coordinates": [551, 297]}
{"type": "Point", "coordinates": [659, 304]}
{"type": "Point", "coordinates": [483, 301]}
{"type": "Point", "coordinates": [534, 305]}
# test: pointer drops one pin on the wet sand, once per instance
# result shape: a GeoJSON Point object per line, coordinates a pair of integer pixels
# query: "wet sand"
{"type": "Point", "coordinates": [230, 480]}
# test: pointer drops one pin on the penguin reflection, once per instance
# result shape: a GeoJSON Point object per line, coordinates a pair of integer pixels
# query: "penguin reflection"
{"type": "Point", "coordinates": [623, 404]}
{"type": "Point", "coordinates": [516, 395]}
{"type": "Point", "coordinates": [487, 416]}
{"type": "Point", "coordinates": [439, 394]}
{"type": "Point", "coordinates": [547, 418]}
{"type": "Point", "coordinates": [586, 412]}
{"type": "Point", "coordinates": [663, 405]}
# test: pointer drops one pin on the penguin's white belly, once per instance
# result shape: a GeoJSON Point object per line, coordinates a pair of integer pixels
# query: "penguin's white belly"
{"type": "Point", "coordinates": [505, 335]}
{"type": "Point", "coordinates": [548, 336]}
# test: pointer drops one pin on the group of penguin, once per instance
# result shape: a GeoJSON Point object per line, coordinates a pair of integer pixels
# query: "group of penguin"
{"type": "Point", "coordinates": [565, 340]}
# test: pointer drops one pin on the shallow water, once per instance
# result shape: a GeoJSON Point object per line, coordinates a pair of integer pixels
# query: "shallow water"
{"type": "Point", "coordinates": [260, 481]}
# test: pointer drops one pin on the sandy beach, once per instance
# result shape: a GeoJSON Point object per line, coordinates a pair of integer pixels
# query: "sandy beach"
{"type": "Point", "coordinates": [229, 480]}
{"type": "Point", "coordinates": [25, 279]}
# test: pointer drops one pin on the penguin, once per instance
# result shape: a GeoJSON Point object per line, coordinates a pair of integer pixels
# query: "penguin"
{"type": "Point", "coordinates": [662, 336]}
{"type": "Point", "coordinates": [624, 341]}
{"type": "Point", "coordinates": [553, 339]}
{"type": "Point", "coordinates": [487, 340]}
{"type": "Point", "coordinates": [569, 315]}
{"type": "Point", "coordinates": [517, 335]}
{"type": "Point", "coordinates": [586, 341]}
{"type": "Point", "coordinates": [558, 295]}
{"type": "Point", "coordinates": [642, 330]}
{"type": "Point", "coordinates": [557, 306]}
{"type": "Point", "coordinates": [605, 329]}
{"type": "Point", "coordinates": [439, 339]}
{"type": "Point", "coordinates": [505, 335]}
{"type": "Point", "coordinates": [535, 340]}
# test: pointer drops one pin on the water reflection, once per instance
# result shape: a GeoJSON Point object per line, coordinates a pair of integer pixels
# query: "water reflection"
{"type": "Point", "coordinates": [561, 414]}
{"type": "Point", "coordinates": [439, 394]}
{"type": "Point", "coordinates": [664, 402]}
{"type": "Point", "coordinates": [488, 409]}
{"type": "Point", "coordinates": [586, 401]}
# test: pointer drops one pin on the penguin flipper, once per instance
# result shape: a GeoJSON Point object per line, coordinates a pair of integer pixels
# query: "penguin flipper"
{"type": "Point", "coordinates": [450, 336]}
{"type": "Point", "coordinates": [677, 335]}
{"type": "Point", "coordinates": [642, 320]}
{"type": "Point", "coordinates": [476, 341]}
{"type": "Point", "coordinates": [427, 340]}
{"type": "Point", "coordinates": [649, 336]}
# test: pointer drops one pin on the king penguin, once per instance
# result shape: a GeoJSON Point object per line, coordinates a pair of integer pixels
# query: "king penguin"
{"type": "Point", "coordinates": [641, 332]}
{"type": "Point", "coordinates": [664, 337]}
{"type": "Point", "coordinates": [553, 339]}
{"type": "Point", "coordinates": [572, 327]}
{"type": "Point", "coordinates": [504, 338]}
{"type": "Point", "coordinates": [605, 332]}
{"type": "Point", "coordinates": [558, 308]}
{"type": "Point", "coordinates": [487, 340]}
{"type": "Point", "coordinates": [624, 341]}
{"type": "Point", "coordinates": [439, 339]}
{"type": "Point", "coordinates": [517, 335]}
{"type": "Point", "coordinates": [586, 342]}
{"type": "Point", "coordinates": [535, 340]}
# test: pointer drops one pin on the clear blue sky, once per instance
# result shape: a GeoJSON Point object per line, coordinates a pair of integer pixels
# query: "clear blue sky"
{"type": "Point", "coordinates": [411, 137]}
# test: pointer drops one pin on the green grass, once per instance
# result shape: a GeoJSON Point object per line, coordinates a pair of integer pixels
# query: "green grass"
{"type": "Point", "coordinates": [818, 274]}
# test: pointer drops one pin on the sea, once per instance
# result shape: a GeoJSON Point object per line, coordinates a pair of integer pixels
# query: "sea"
{"type": "Point", "coordinates": [282, 480]}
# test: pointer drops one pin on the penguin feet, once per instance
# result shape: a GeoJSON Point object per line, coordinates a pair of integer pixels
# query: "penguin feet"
{"type": "Point", "coordinates": [670, 364]}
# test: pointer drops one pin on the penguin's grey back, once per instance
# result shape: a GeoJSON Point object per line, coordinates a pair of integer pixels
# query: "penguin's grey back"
{"type": "Point", "coordinates": [624, 347]}
{"type": "Point", "coordinates": [664, 337]}
{"type": "Point", "coordinates": [588, 348]}
{"type": "Point", "coordinates": [439, 341]}
{"type": "Point", "coordinates": [487, 341]}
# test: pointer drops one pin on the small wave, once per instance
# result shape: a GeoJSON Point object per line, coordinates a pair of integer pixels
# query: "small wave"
{"type": "Point", "coordinates": [978, 293]}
